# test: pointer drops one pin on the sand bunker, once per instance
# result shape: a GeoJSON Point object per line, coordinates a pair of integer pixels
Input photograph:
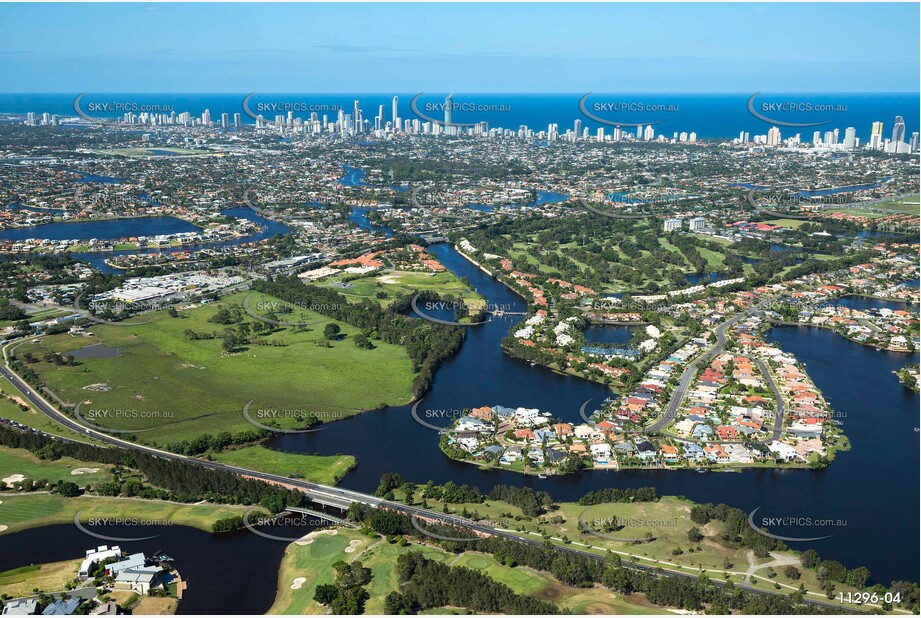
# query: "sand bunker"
{"type": "Point", "coordinates": [308, 538]}
{"type": "Point", "coordinates": [353, 545]}
{"type": "Point", "coordinates": [3, 528]}
{"type": "Point", "coordinates": [298, 582]}
{"type": "Point", "coordinates": [77, 471]}
{"type": "Point", "coordinates": [15, 478]}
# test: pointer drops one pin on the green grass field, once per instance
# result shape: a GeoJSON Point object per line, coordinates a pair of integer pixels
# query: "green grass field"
{"type": "Point", "coordinates": [31, 417]}
{"type": "Point", "coordinates": [793, 224]}
{"type": "Point", "coordinates": [313, 563]}
{"type": "Point", "coordinates": [19, 461]}
{"type": "Point", "coordinates": [180, 388]}
{"type": "Point", "coordinates": [22, 511]}
{"type": "Point", "coordinates": [328, 470]}
{"type": "Point", "coordinates": [395, 283]}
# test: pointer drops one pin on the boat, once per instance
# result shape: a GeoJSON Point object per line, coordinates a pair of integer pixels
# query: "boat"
{"type": "Point", "coordinates": [542, 476]}
{"type": "Point", "coordinates": [702, 470]}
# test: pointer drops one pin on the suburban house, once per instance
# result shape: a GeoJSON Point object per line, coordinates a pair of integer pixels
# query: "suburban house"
{"type": "Point", "coordinates": [138, 579]}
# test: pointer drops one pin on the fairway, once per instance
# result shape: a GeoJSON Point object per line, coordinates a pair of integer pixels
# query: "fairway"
{"type": "Point", "coordinates": [19, 512]}
{"type": "Point", "coordinates": [19, 461]}
{"type": "Point", "coordinates": [313, 563]}
{"type": "Point", "coordinates": [385, 287]}
{"type": "Point", "coordinates": [178, 387]}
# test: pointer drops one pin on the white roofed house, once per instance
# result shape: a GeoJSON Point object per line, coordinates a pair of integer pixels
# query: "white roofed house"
{"type": "Point", "coordinates": [528, 416]}
{"type": "Point", "coordinates": [139, 579]}
{"type": "Point", "coordinates": [601, 452]}
{"type": "Point", "coordinates": [94, 557]}
{"type": "Point", "coordinates": [782, 451]}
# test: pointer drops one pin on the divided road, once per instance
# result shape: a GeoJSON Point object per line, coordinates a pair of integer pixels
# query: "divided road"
{"type": "Point", "coordinates": [325, 494]}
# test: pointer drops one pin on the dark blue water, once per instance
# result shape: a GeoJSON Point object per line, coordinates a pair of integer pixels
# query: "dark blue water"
{"type": "Point", "coordinates": [359, 216]}
{"type": "Point", "coordinates": [548, 197]}
{"type": "Point", "coordinates": [106, 180]}
{"type": "Point", "coordinates": [874, 486]}
{"type": "Point", "coordinates": [111, 229]}
{"type": "Point", "coordinates": [146, 227]}
{"type": "Point", "coordinates": [220, 582]}
{"type": "Point", "coordinates": [608, 334]}
{"type": "Point", "coordinates": [863, 303]}
{"type": "Point", "coordinates": [703, 278]}
{"type": "Point", "coordinates": [353, 177]}
{"type": "Point", "coordinates": [710, 115]}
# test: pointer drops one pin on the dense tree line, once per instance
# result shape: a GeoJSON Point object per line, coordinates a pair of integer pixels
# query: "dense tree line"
{"type": "Point", "coordinates": [187, 482]}
{"type": "Point", "coordinates": [612, 494]}
{"type": "Point", "coordinates": [425, 584]}
{"type": "Point", "coordinates": [532, 503]}
{"type": "Point", "coordinates": [427, 343]}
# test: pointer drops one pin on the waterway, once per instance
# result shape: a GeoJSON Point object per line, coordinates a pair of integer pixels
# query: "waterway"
{"type": "Point", "coordinates": [114, 229]}
{"type": "Point", "coordinates": [234, 573]}
{"type": "Point", "coordinates": [873, 487]}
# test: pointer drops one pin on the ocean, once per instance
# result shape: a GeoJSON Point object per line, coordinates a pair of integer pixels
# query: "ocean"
{"type": "Point", "coordinates": [710, 116]}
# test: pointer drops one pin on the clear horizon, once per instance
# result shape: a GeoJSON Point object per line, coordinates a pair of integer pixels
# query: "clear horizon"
{"type": "Point", "coordinates": [501, 47]}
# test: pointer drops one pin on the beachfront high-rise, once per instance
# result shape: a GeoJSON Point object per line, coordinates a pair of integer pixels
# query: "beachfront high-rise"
{"type": "Point", "coordinates": [898, 130]}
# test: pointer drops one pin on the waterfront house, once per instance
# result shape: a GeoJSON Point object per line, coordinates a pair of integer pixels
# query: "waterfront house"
{"type": "Point", "coordinates": [484, 413]}
{"type": "Point", "coordinates": [601, 452]}
{"type": "Point", "coordinates": [138, 579]}
{"type": "Point", "coordinates": [511, 455]}
{"type": "Point", "coordinates": [716, 454]}
{"type": "Point", "coordinates": [693, 452]}
{"type": "Point", "coordinates": [94, 557]}
{"type": "Point", "coordinates": [645, 451]}
{"type": "Point", "coordinates": [669, 453]}
{"type": "Point", "coordinates": [469, 423]}
{"type": "Point", "coordinates": [782, 451]}
{"type": "Point", "coordinates": [133, 561]}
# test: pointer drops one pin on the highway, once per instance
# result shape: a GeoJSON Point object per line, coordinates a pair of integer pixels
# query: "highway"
{"type": "Point", "coordinates": [335, 496]}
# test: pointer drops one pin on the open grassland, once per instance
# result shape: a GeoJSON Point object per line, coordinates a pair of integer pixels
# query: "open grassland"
{"type": "Point", "coordinates": [328, 470]}
{"type": "Point", "coordinates": [31, 417]}
{"type": "Point", "coordinates": [51, 577]}
{"type": "Point", "coordinates": [19, 461]}
{"type": "Point", "coordinates": [386, 286]}
{"type": "Point", "coordinates": [793, 224]}
{"type": "Point", "coordinates": [305, 566]}
{"type": "Point", "coordinates": [23, 511]}
{"type": "Point", "coordinates": [178, 388]}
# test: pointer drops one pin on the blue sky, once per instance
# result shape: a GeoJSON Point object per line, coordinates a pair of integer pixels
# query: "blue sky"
{"type": "Point", "coordinates": [814, 47]}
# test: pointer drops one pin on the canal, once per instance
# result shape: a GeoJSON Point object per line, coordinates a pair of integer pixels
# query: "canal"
{"type": "Point", "coordinates": [873, 487]}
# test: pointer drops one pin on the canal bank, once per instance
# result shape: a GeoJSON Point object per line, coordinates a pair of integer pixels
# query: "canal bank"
{"type": "Point", "coordinates": [224, 574]}
{"type": "Point", "coordinates": [884, 467]}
